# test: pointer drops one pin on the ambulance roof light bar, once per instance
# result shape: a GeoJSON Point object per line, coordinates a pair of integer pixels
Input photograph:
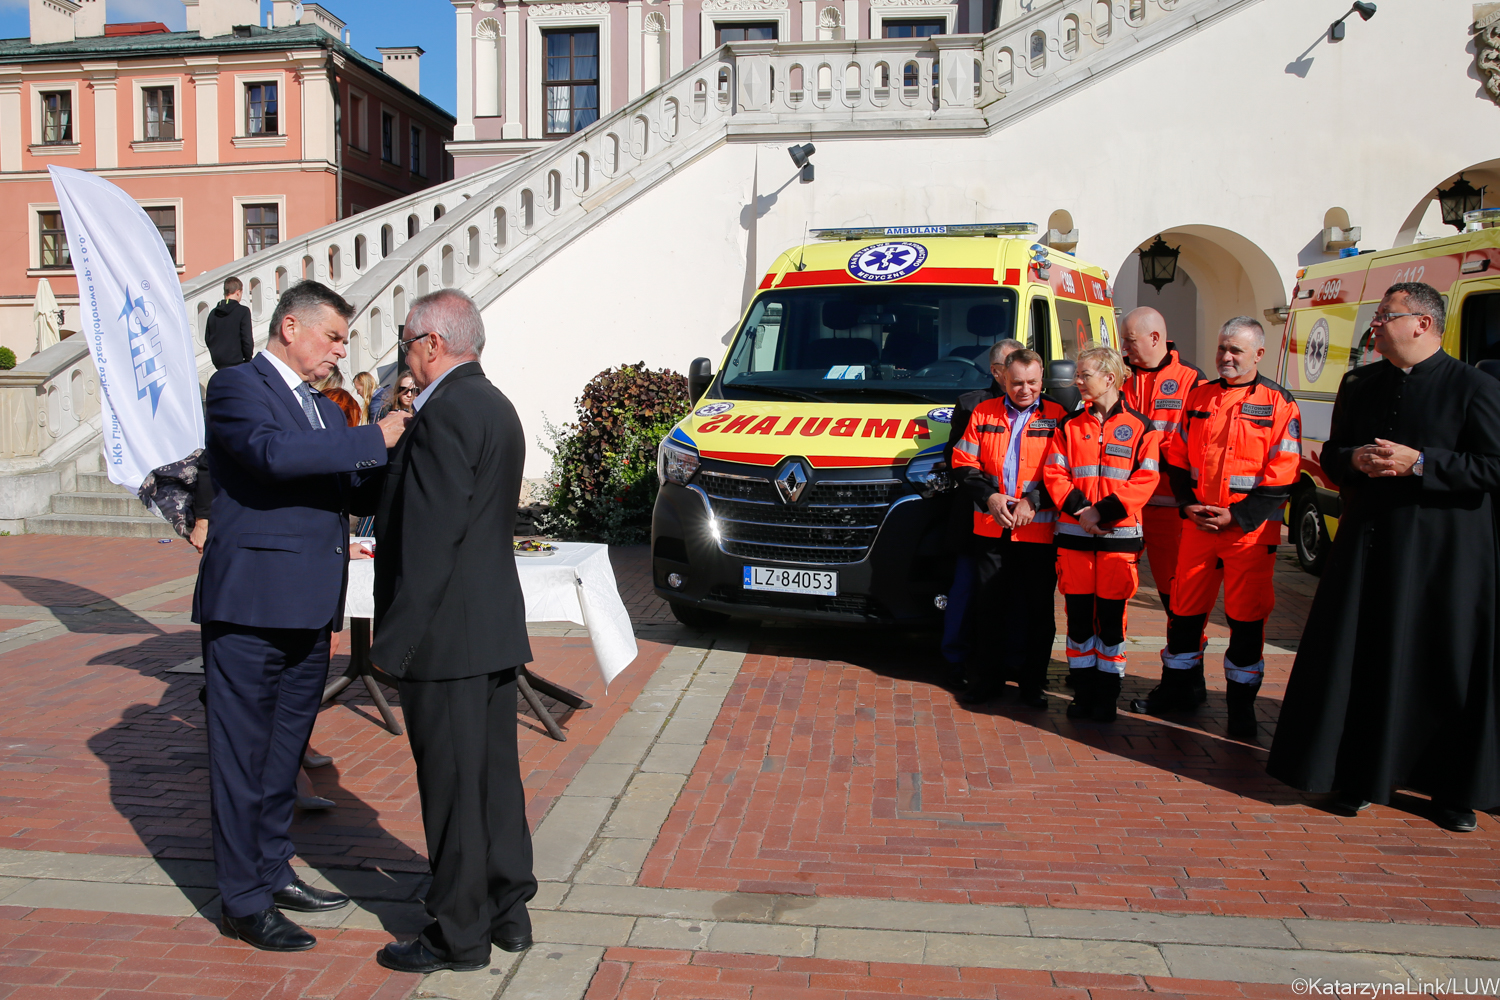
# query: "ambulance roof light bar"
{"type": "Point", "coordinates": [1481, 218]}
{"type": "Point", "coordinates": [975, 229]}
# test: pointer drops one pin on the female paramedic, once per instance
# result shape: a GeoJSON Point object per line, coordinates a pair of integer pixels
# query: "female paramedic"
{"type": "Point", "coordinates": [1101, 470]}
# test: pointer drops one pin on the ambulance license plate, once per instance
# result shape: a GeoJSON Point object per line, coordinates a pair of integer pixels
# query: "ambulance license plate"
{"type": "Point", "coordinates": [792, 581]}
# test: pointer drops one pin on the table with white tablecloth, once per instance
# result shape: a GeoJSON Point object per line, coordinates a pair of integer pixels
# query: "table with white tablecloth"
{"type": "Point", "coordinates": [575, 583]}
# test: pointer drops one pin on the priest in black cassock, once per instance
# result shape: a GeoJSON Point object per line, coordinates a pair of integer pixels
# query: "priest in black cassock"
{"type": "Point", "coordinates": [1396, 682]}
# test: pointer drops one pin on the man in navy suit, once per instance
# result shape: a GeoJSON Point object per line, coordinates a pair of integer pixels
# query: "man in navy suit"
{"type": "Point", "coordinates": [289, 471]}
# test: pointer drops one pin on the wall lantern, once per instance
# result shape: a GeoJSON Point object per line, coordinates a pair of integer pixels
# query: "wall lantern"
{"type": "Point", "coordinates": [1460, 198]}
{"type": "Point", "coordinates": [1159, 264]}
{"type": "Point", "coordinates": [1363, 9]}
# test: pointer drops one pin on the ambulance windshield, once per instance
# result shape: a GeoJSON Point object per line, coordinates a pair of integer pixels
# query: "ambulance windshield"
{"type": "Point", "coordinates": [928, 341]}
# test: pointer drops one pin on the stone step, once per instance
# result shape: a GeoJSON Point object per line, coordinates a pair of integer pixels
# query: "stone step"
{"type": "Point", "coordinates": [116, 502]}
{"type": "Point", "coordinates": [98, 482]}
{"type": "Point", "coordinates": [100, 525]}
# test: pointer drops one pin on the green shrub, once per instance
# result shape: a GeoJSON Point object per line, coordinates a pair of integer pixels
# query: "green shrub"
{"type": "Point", "coordinates": [603, 480]}
{"type": "Point", "coordinates": [7, 358]}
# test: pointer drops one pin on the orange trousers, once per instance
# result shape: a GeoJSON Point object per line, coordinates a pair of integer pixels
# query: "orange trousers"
{"type": "Point", "coordinates": [1095, 587]}
{"type": "Point", "coordinates": [1244, 564]}
{"type": "Point", "coordinates": [1163, 530]}
{"type": "Point", "coordinates": [1110, 575]}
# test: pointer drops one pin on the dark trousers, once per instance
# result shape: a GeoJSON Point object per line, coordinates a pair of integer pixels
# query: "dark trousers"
{"type": "Point", "coordinates": [1014, 626]}
{"type": "Point", "coordinates": [463, 738]}
{"type": "Point", "coordinates": [958, 616]}
{"type": "Point", "coordinates": [264, 687]}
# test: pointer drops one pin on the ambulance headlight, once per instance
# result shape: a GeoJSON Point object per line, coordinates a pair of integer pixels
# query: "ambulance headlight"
{"type": "Point", "coordinates": [675, 463]}
{"type": "Point", "coordinates": [928, 472]}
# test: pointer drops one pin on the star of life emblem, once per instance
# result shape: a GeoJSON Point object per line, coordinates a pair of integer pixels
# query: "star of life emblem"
{"type": "Point", "coordinates": [887, 261]}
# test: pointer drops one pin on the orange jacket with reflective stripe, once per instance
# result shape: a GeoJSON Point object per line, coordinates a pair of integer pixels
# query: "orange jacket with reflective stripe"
{"type": "Point", "coordinates": [1240, 447]}
{"type": "Point", "coordinates": [1160, 394]}
{"type": "Point", "coordinates": [979, 461]}
{"type": "Point", "coordinates": [1112, 468]}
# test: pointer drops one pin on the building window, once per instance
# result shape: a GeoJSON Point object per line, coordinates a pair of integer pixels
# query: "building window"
{"type": "Point", "coordinates": [57, 117]}
{"type": "Point", "coordinates": [161, 116]}
{"type": "Point", "coordinates": [262, 227]}
{"type": "Point", "coordinates": [416, 152]}
{"type": "Point", "coordinates": [914, 29]}
{"type": "Point", "coordinates": [54, 240]}
{"type": "Point", "coordinates": [165, 221]}
{"type": "Point", "coordinates": [261, 116]}
{"type": "Point", "coordinates": [755, 31]}
{"type": "Point", "coordinates": [572, 79]}
{"type": "Point", "coordinates": [388, 137]}
{"type": "Point", "coordinates": [356, 121]}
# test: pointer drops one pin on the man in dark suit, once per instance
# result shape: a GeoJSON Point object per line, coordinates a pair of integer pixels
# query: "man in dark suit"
{"type": "Point", "coordinates": [227, 332]}
{"type": "Point", "coordinates": [289, 471]}
{"type": "Point", "coordinates": [450, 623]}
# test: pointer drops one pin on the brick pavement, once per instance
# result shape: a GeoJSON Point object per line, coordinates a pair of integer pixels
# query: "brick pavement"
{"type": "Point", "coordinates": [659, 974]}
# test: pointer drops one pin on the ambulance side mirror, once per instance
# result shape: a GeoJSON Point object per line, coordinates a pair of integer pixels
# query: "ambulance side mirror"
{"type": "Point", "coordinates": [700, 377]}
{"type": "Point", "coordinates": [1060, 383]}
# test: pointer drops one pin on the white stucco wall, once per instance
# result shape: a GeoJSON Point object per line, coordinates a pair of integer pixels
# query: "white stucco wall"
{"type": "Point", "coordinates": [1234, 141]}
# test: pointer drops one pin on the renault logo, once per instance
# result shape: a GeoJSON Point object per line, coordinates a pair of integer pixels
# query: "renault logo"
{"type": "Point", "coordinates": [791, 482]}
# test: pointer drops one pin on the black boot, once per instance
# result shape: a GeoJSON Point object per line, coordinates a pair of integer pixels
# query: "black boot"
{"type": "Point", "coordinates": [1173, 694]}
{"type": "Point", "coordinates": [1242, 724]}
{"type": "Point", "coordinates": [1106, 694]}
{"type": "Point", "coordinates": [1196, 689]}
{"type": "Point", "coordinates": [1085, 682]}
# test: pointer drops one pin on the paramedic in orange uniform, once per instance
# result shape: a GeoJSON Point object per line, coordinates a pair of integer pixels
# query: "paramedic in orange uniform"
{"type": "Point", "coordinates": [998, 464]}
{"type": "Point", "coordinates": [1100, 472]}
{"type": "Point", "coordinates": [1232, 463]}
{"type": "Point", "coordinates": [1158, 385]}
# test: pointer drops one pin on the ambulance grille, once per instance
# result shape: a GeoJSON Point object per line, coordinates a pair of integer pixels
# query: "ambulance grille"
{"type": "Point", "coordinates": [836, 522]}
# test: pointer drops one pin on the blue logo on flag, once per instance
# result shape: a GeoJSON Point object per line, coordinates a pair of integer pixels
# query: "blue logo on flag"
{"type": "Point", "coordinates": [1123, 433]}
{"type": "Point", "coordinates": [145, 349]}
{"type": "Point", "coordinates": [887, 261]}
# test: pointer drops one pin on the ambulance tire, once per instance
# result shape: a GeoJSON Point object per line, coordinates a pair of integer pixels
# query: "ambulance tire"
{"type": "Point", "coordinates": [694, 617]}
{"type": "Point", "coordinates": [1309, 532]}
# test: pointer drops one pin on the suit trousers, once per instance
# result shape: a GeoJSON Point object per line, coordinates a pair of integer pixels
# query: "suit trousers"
{"type": "Point", "coordinates": [264, 687]}
{"type": "Point", "coordinates": [463, 738]}
{"type": "Point", "coordinates": [1014, 625]}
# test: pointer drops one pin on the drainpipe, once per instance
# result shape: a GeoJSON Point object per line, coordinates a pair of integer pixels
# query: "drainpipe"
{"type": "Point", "coordinates": [338, 139]}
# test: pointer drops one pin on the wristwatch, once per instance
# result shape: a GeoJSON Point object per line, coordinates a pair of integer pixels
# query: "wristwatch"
{"type": "Point", "coordinates": [1416, 468]}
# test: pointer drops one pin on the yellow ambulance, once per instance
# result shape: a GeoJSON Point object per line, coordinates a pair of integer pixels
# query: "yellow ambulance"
{"type": "Point", "coordinates": [808, 480]}
{"type": "Point", "coordinates": [1328, 334]}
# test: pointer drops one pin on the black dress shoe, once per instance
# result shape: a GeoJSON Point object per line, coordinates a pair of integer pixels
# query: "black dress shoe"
{"type": "Point", "coordinates": [512, 944]}
{"type": "Point", "coordinates": [971, 697]}
{"type": "Point", "coordinates": [1347, 805]}
{"type": "Point", "coordinates": [413, 956]}
{"type": "Point", "coordinates": [269, 930]}
{"type": "Point", "coordinates": [1457, 820]}
{"type": "Point", "coordinates": [298, 895]}
{"type": "Point", "coordinates": [1032, 699]}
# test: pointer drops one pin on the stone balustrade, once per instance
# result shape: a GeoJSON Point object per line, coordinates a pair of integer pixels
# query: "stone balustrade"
{"type": "Point", "coordinates": [49, 423]}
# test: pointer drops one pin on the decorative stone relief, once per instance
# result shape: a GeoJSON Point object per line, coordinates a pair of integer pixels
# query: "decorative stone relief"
{"type": "Point", "coordinates": [566, 9]}
{"type": "Point", "coordinates": [909, 3]}
{"type": "Point", "coordinates": [1487, 47]}
{"type": "Point", "coordinates": [744, 5]}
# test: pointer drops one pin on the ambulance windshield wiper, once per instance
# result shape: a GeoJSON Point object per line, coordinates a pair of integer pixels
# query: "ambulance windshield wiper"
{"type": "Point", "coordinates": [882, 390]}
{"type": "Point", "coordinates": [781, 390]}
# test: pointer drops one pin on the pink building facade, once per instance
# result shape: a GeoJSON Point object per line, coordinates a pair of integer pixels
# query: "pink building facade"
{"type": "Point", "coordinates": [531, 72]}
{"type": "Point", "coordinates": [231, 135]}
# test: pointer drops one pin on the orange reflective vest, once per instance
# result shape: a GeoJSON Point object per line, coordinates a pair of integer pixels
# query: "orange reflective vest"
{"type": "Point", "coordinates": [1240, 447]}
{"type": "Point", "coordinates": [1112, 468]}
{"type": "Point", "coordinates": [979, 462]}
{"type": "Point", "coordinates": [1160, 393]}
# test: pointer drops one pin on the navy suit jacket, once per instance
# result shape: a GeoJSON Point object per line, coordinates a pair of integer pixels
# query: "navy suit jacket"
{"type": "Point", "coordinates": [278, 537]}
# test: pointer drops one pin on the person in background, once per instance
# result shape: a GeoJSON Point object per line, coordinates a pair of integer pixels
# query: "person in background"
{"type": "Point", "coordinates": [1232, 464]}
{"type": "Point", "coordinates": [405, 394]}
{"type": "Point", "coordinates": [1158, 385]}
{"type": "Point", "coordinates": [1101, 470]}
{"type": "Point", "coordinates": [1396, 679]}
{"type": "Point", "coordinates": [364, 391]}
{"type": "Point", "coordinates": [227, 332]}
{"type": "Point", "coordinates": [958, 615]}
{"type": "Point", "coordinates": [998, 463]}
{"type": "Point", "coordinates": [333, 387]}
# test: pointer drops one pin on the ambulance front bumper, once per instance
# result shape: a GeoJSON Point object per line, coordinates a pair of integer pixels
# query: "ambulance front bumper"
{"type": "Point", "coordinates": [886, 547]}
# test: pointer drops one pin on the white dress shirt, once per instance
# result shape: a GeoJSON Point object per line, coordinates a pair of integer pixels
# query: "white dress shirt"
{"type": "Point", "coordinates": [293, 380]}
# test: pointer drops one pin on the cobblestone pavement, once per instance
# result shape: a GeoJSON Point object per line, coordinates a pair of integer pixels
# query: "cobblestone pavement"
{"type": "Point", "coordinates": [761, 812]}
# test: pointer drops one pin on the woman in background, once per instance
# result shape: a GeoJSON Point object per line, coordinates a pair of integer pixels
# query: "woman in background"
{"type": "Point", "coordinates": [364, 391]}
{"type": "Point", "coordinates": [333, 387]}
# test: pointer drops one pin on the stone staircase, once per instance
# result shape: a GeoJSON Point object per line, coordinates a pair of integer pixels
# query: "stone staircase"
{"type": "Point", "coordinates": [98, 507]}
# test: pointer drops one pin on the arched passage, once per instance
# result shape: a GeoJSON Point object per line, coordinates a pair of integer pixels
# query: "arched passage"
{"type": "Point", "coordinates": [1425, 220]}
{"type": "Point", "coordinates": [1220, 274]}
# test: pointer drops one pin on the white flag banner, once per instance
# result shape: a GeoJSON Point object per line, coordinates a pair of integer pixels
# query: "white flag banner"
{"type": "Point", "coordinates": [136, 322]}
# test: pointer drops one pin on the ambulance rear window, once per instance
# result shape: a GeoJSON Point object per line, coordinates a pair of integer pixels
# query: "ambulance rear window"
{"type": "Point", "coordinates": [927, 340]}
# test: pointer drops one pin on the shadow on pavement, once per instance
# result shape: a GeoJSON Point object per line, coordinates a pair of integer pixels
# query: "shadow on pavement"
{"type": "Point", "coordinates": [77, 608]}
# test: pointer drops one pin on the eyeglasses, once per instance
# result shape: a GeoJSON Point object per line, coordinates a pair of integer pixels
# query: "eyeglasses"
{"type": "Point", "coordinates": [1380, 319]}
{"type": "Point", "coordinates": [405, 345]}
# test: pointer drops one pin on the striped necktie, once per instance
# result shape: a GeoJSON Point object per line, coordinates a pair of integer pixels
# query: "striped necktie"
{"type": "Point", "coordinates": [304, 394]}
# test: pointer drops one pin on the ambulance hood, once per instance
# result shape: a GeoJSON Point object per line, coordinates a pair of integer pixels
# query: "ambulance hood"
{"type": "Point", "coordinates": [828, 435]}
